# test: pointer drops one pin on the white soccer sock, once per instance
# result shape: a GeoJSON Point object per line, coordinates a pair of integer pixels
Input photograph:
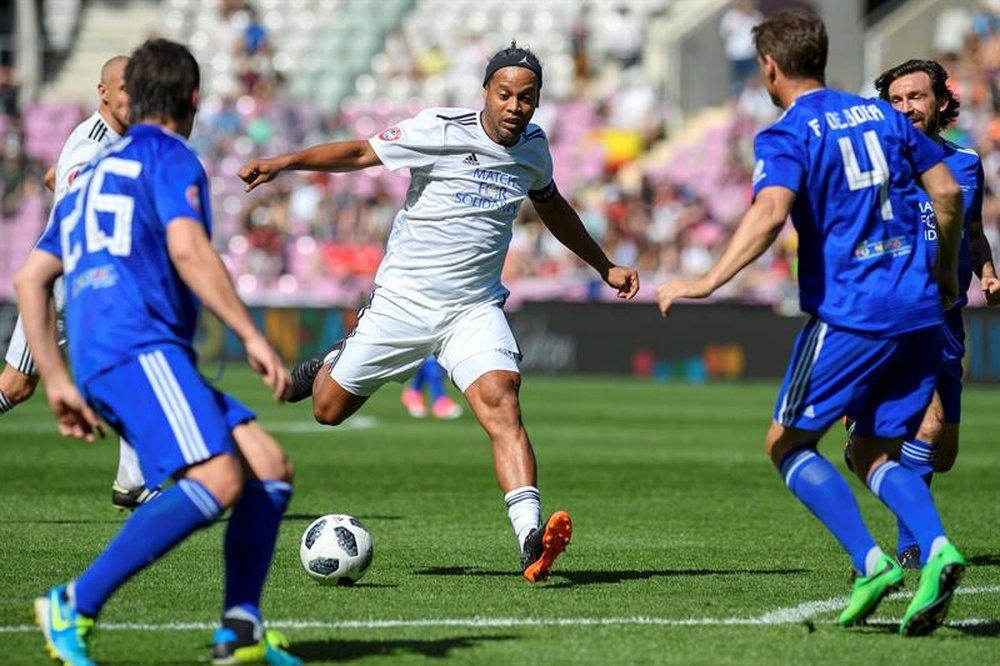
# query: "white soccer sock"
{"type": "Point", "coordinates": [524, 507]}
{"type": "Point", "coordinates": [5, 404]}
{"type": "Point", "coordinates": [871, 560]}
{"type": "Point", "coordinates": [936, 545]}
{"type": "Point", "coordinates": [129, 473]}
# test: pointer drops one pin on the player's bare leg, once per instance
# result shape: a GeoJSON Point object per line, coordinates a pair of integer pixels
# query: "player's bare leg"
{"type": "Point", "coordinates": [332, 403]}
{"type": "Point", "coordinates": [15, 387]}
{"type": "Point", "coordinates": [494, 400]}
{"type": "Point", "coordinates": [942, 436]}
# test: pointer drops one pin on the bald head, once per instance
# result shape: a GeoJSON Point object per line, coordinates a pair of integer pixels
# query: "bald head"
{"type": "Point", "coordinates": [113, 69]}
{"type": "Point", "coordinates": [114, 100]}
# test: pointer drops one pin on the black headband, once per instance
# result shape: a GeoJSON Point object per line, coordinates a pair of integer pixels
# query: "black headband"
{"type": "Point", "coordinates": [514, 57]}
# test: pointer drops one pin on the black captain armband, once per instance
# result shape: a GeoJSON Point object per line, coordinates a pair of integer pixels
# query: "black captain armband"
{"type": "Point", "coordinates": [545, 194]}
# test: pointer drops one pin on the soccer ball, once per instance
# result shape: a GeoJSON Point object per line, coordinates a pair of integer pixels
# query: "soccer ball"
{"type": "Point", "coordinates": [336, 549]}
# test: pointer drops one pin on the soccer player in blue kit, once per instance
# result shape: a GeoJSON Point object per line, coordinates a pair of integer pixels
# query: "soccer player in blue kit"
{"type": "Point", "coordinates": [132, 239]}
{"type": "Point", "coordinates": [847, 170]}
{"type": "Point", "coordinates": [918, 88]}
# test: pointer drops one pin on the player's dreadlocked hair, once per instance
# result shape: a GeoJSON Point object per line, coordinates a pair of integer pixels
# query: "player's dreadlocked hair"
{"type": "Point", "coordinates": [938, 76]}
{"type": "Point", "coordinates": [514, 56]}
{"type": "Point", "coordinates": [160, 78]}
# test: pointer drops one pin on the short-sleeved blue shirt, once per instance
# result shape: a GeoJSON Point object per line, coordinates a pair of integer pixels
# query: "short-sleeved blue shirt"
{"type": "Point", "coordinates": [123, 295]}
{"type": "Point", "coordinates": [967, 169]}
{"type": "Point", "coordinates": [853, 164]}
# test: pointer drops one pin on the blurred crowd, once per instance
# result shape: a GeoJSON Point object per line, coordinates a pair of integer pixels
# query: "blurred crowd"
{"type": "Point", "coordinates": [664, 204]}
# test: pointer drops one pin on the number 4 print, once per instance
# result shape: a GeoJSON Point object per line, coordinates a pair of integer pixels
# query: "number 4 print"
{"type": "Point", "coordinates": [878, 175]}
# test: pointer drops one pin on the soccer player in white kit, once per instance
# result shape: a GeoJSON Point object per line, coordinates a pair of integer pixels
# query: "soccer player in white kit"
{"type": "Point", "coordinates": [438, 288]}
{"type": "Point", "coordinates": [20, 376]}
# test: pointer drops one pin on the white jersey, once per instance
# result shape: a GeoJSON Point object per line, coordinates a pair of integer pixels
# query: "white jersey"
{"type": "Point", "coordinates": [85, 142]}
{"type": "Point", "coordinates": [448, 243]}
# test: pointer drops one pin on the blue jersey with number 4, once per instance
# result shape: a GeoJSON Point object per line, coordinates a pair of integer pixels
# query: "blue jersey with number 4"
{"type": "Point", "coordinates": [853, 164]}
{"type": "Point", "coordinates": [123, 295]}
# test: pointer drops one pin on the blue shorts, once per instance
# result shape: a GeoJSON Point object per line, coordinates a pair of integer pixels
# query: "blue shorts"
{"type": "Point", "coordinates": [167, 411]}
{"type": "Point", "coordinates": [883, 384]}
{"type": "Point", "coordinates": [949, 381]}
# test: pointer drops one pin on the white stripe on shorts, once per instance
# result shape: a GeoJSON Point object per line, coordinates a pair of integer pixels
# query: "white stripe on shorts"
{"type": "Point", "coordinates": [800, 375]}
{"type": "Point", "coordinates": [175, 406]}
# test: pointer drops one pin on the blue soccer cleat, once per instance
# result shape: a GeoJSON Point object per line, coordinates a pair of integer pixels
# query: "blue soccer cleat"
{"type": "Point", "coordinates": [64, 628]}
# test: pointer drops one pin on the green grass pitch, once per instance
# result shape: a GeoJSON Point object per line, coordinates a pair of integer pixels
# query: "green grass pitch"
{"type": "Point", "coordinates": [687, 547]}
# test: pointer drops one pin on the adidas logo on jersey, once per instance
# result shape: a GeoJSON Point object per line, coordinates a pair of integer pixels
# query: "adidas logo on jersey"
{"type": "Point", "coordinates": [471, 160]}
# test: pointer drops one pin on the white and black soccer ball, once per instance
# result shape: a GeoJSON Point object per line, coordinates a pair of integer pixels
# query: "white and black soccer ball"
{"type": "Point", "coordinates": [336, 549]}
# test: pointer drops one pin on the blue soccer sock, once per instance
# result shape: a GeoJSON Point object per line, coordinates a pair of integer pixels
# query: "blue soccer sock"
{"type": "Point", "coordinates": [420, 378]}
{"type": "Point", "coordinates": [819, 486]}
{"type": "Point", "coordinates": [917, 456]}
{"type": "Point", "coordinates": [910, 499]}
{"type": "Point", "coordinates": [154, 528]}
{"type": "Point", "coordinates": [435, 379]}
{"type": "Point", "coordinates": [249, 544]}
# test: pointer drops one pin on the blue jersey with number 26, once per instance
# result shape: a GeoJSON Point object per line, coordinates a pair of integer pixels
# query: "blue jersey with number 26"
{"type": "Point", "coordinates": [123, 295]}
{"type": "Point", "coordinates": [853, 164]}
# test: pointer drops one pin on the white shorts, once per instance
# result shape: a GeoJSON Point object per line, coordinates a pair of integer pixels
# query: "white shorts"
{"type": "Point", "coordinates": [18, 355]}
{"type": "Point", "coordinates": [393, 337]}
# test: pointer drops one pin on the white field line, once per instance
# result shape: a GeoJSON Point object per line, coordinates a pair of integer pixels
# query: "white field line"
{"type": "Point", "coordinates": [779, 616]}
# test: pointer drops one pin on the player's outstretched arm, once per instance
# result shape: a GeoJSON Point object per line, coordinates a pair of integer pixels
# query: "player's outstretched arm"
{"type": "Point", "coordinates": [337, 156]}
{"type": "Point", "coordinates": [755, 233]}
{"type": "Point", "coordinates": [566, 226]}
{"type": "Point", "coordinates": [946, 197]}
{"type": "Point", "coordinates": [203, 271]}
{"type": "Point", "coordinates": [33, 283]}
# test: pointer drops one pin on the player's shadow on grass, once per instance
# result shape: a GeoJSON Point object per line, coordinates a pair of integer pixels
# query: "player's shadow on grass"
{"type": "Point", "coordinates": [351, 650]}
{"type": "Point", "coordinates": [986, 560]}
{"type": "Point", "coordinates": [309, 517]}
{"type": "Point", "coordinates": [572, 578]}
{"type": "Point", "coordinates": [68, 521]}
{"type": "Point", "coordinates": [988, 629]}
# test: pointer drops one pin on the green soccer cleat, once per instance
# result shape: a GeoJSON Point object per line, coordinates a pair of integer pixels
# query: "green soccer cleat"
{"type": "Point", "coordinates": [64, 628]}
{"type": "Point", "coordinates": [938, 580]}
{"type": "Point", "coordinates": [870, 590]}
{"type": "Point", "coordinates": [246, 642]}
